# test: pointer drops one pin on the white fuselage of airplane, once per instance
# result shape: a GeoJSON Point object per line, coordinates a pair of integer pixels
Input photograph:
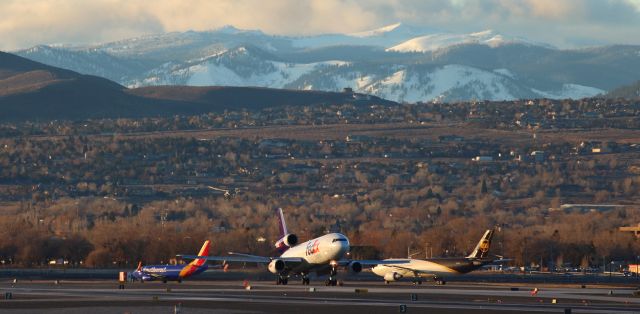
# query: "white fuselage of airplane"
{"type": "Point", "coordinates": [422, 266]}
{"type": "Point", "coordinates": [437, 268]}
{"type": "Point", "coordinates": [319, 251]}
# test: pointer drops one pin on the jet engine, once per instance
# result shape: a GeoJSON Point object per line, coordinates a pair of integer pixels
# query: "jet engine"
{"type": "Point", "coordinates": [354, 267]}
{"type": "Point", "coordinates": [288, 240]}
{"type": "Point", "coordinates": [276, 266]}
{"type": "Point", "coordinates": [392, 276]}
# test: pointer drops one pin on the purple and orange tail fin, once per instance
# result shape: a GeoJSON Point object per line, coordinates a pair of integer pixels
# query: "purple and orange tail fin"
{"type": "Point", "coordinates": [204, 251]}
{"type": "Point", "coordinates": [139, 268]}
{"type": "Point", "coordinates": [282, 224]}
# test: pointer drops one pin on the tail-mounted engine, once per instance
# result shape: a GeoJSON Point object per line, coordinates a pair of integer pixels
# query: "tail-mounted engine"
{"type": "Point", "coordinates": [287, 241]}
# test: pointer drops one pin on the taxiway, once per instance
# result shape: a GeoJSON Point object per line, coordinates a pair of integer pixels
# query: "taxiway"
{"type": "Point", "coordinates": [82, 296]}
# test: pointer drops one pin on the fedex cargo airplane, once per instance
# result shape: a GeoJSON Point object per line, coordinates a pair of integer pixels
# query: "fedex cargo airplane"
{"type": "Point", "coordinates": [173, 272]}
{"type": "Point", "coordinates": [437, 268]}
{"type": "Point", "coordinates": [322, 256]}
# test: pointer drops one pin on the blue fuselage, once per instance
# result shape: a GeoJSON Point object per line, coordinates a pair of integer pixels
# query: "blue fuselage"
{"type": "Point", "coordinates": [167, 272]}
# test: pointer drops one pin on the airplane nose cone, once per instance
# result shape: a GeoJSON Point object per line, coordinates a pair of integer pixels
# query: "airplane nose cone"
{"type": "Point", "coordinates": [342, 246]}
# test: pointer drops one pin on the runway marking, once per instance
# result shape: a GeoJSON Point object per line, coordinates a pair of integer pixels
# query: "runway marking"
{"type": "Point", "coordinates": [373, 303]}
{"type": "Point", "coordinates": [620, 302]}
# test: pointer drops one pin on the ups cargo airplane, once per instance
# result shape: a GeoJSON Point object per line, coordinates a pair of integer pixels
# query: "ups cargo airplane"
{"type": "Point", "coordinates": [437, 268]}
{"type": "Point", "coordinates": [322, 256]}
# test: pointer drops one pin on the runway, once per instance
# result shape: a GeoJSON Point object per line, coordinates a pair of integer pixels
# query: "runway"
{"type": "Point", "coordinates": [355, 297]}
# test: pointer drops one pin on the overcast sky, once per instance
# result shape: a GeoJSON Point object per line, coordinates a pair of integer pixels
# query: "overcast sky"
{"type": "Point", "coordinates": [564, 23]}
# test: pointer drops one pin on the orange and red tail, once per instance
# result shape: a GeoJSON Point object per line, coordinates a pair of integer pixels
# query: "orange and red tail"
{"type": "Point", "coordinates": [139, 266]}
{"type": "Point", "coordinates": [197, 263]}
{"type": "Point", "coordinates": [204, 251]}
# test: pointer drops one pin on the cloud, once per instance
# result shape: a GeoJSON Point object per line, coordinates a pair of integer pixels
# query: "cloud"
{"type": "Point", "coordinates": [24, 23]}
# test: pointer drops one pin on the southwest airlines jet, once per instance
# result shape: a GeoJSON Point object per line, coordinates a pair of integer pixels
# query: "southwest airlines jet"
{"type": "Point", "coordinates": [173, 272]}
{"type": "Point", "coordinates": [322, 256]}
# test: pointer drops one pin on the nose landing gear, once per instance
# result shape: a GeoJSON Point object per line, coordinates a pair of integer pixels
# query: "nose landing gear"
{"type": "Point", "coordinates": [333, 280]}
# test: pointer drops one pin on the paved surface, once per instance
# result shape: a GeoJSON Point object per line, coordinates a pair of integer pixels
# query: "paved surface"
{"type": "Point", "coordinates": [103, 296]}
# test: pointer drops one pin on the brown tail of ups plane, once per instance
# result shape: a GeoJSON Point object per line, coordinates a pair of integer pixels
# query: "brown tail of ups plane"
{"type": "Point", "coordinates": [482, 248]}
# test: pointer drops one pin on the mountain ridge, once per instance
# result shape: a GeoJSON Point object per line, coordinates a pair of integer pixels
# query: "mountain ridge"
{"type": "Point", "coordinates": [331, 62]}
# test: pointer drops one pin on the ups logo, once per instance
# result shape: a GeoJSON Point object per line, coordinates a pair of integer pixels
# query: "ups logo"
{"type": "Point", "coordinates": [484, 246]}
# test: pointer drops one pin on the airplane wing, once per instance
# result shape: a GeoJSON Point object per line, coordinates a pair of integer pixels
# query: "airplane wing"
{"type": "Point", "coordinates": [242, 258]}
{"type": "Point", "coordinates": [249, 257]}
{"type": "Point", "coordinates": [264, 259]}
{"type": "Point", "coordinates": [500, 261]}
{"type": "Point", "coordinates": [369, 263]}
{"type": "Point", "coordinates": [239, 259]}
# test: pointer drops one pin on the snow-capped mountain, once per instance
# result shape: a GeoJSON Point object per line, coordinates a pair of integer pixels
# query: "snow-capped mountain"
{"type": "Point", "coordinates": [398, 62]}
{"type": "Point", "coordinates": [442, 40]}
{"type": "Point", "coordinates": [383, 37]}
{"type": "Point", "coordinates": [242, 66]}
{"type": "Point", "coordinates": [248, 66]}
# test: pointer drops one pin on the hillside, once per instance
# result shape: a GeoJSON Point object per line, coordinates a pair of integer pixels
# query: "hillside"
{"type": "Point", "coordinates": [251, 98]}
{"type": "Point", "coordinates": [34, 91]}
{"type": "Point", "coordinates": [629, 92]}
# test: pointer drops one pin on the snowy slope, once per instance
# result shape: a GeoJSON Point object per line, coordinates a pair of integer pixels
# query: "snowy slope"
{"type": "Point", "coordinates": [279, 74]}
{"type": "Point", "coordinates": [438, 85]}
{"type": "Point", "coordinates": [573, 91]}
{"type": "Point", "coordinates": [412, 84]}
{"type": "Point", "coordinates": [236, 67]}
{"type": "Point", "coordinates": [439, 41]}
{"type": "Point", "coordinates": [382, 37]}
{"type": "Point", "coordinates": [408, 83]}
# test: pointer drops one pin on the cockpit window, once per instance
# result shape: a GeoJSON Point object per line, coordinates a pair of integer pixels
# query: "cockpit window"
{"type": "Point", "coordinates": [339, 240]}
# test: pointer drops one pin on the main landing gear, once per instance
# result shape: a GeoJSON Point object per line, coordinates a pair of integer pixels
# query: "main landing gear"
{"type": "Point", "coordinates": [439, 281]}
{"type": "Point", "coordinates": [282, 280]}
{"type": "Point", "coordinates": [332, 281]}
{"type": "Point", "coordinates": [416, 281]}
{"type": "Point", "coordinates": [305, 280]}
